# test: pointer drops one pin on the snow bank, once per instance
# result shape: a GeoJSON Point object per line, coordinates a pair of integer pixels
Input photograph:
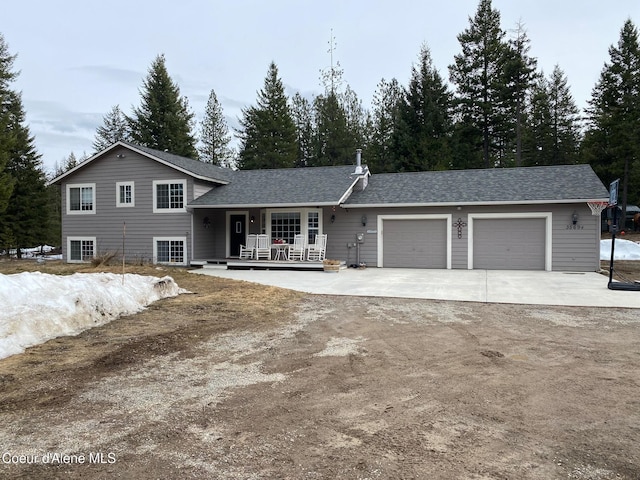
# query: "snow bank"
{"type": "Point", "coordinates": [625, 250]}
{"type": "Point", "coordinates": [35, 307]}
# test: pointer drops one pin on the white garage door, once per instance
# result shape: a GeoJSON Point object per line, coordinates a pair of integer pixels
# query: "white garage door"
{"type": "Point", "coordinates": [509, 244]}
{"type": "Point", "coordinates": [414, 243]}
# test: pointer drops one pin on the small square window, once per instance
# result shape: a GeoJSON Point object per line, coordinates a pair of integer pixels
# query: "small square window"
{"type": "Point", "coordinates": [125, 194]}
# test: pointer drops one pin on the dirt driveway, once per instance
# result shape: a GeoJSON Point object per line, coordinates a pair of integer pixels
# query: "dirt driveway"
{"type": "Point", "coordinates": [239, 381]}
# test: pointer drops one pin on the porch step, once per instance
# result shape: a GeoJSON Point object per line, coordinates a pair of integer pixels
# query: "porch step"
{"type": "Point", "coordinates": [273, 265]}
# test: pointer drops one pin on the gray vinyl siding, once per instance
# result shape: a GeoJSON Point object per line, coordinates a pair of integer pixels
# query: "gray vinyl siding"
{"type": "Point", "coordinates": [141, 223]}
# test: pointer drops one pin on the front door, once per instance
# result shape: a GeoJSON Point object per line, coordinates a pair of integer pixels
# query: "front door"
{"type": "Point", "coordinates": [237, 234]}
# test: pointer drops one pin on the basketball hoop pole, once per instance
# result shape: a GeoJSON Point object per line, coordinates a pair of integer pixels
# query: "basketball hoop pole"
{"type": "Point", "coordinates": [614, 227]}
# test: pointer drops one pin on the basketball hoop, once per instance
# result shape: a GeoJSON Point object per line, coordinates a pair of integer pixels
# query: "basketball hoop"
{"type": "Point", "coordinates": [597, 207]}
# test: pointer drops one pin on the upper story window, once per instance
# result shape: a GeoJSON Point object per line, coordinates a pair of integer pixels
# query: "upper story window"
{"type": "Point", "coordinates": [169, 196]}
{"type": "Point", "coordinates": [125, 194]}
{"type": "Point", "coordinates": [81, 198]}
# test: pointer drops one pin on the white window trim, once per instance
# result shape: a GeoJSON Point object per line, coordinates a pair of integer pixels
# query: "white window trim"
{"type": "Point", "coordinates": [80, 239]}
{"type": "Point", "coordinates": [547, 216]}
{"type": "Point", "coordinates": [169, 210]}
{"type": "Point", "coordinates": [133, 194]}
{"type": "Point", "coordinates": [428, 216]}
{"type": "Point", "coordinates": [170, 239]}
{"type": "Point", "coordinates": [304, 219]}
{"type": "Point", "coordinates": [81, 185]}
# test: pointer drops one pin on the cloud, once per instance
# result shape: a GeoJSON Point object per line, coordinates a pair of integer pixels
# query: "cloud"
{"type": "Point", "coordinates": [111, 74]}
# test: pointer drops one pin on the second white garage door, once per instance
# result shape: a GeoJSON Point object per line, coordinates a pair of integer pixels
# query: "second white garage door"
{"type": "Point", "coordinates": [415, 243]}
{"type": "Point", "coordinates": [509, 243]}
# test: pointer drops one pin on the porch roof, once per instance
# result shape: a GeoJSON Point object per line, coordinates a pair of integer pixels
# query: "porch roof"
{"type": "Point", "coordinates": [285, 187]}
{"type": "Point", "coordinates": [523, 185]}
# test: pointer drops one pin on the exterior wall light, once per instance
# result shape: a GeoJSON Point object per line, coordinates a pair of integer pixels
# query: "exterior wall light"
{"type": "Point", "coordinates": [574, 217]}
{"type": "Point", "coordinates": [364, 220]}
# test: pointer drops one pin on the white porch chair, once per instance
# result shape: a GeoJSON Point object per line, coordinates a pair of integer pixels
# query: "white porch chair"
{"type": "Point", "coordinates": [263, 247]}
{"type": "Point", "coordinates": [317, 250]}
{"type": "Point", "coordinates": [247, 252]}
{"type": "Point", "coordinates": [296, 251]}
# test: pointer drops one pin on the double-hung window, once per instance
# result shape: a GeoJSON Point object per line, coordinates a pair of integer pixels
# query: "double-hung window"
{"type": "Point", "coordinates": [169, 196]}
{"type": "Point", "coordinates": [170, 250]}
{"type": "Point", "coordinates": [81, 198]}
{"type": "Point", "coordinates": [80, 249]}
{"type": "Point", "coordinates": [125, 194]}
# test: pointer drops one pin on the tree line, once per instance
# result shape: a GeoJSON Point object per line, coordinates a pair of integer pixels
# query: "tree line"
{"type": "Point", "coordinates": [496, 109]}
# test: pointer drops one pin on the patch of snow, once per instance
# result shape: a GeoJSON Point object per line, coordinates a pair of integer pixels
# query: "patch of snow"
{"type": "Point", "coordinates": [624, 250]}
{"type": "Point", "coordinates": [37, 307]}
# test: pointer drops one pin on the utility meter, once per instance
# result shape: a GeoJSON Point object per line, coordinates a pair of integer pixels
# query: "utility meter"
{"type": "Point", "coordinates": [360, 237]}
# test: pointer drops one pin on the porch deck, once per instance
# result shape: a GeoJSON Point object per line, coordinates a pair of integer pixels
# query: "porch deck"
{"type": "Point", "coordinates": [236, 264]}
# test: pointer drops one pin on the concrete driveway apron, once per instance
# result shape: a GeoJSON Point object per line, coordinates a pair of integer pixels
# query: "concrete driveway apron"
{"type": "Point", "coordinates": [492, 286]}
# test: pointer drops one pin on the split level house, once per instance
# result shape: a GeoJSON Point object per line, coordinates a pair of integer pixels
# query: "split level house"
{"type": "Point", "coordinates": [154, 206]}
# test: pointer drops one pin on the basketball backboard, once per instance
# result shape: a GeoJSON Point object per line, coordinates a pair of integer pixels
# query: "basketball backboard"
{"type": "Point", "coordinates": [613, 192]}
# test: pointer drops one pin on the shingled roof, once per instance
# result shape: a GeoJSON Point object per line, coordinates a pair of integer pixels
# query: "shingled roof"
{"type": "Point", "coordinates": [557, 184]}
{"type": "Point", "coordinates": [311, 186]}
{"type": "Point", "coordinates": [195, 168]}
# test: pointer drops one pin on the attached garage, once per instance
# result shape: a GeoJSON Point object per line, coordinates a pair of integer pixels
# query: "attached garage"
{"type": "Point", "coordinates": [520, 242]}
{"type": "Point", "coordinates": [418, 241]}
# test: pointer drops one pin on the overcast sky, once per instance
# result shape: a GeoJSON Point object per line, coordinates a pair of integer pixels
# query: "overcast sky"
{"type": "Point", "coordinates": [79, 58]}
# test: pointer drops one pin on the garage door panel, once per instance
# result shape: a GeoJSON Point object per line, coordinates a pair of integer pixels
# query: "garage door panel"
{"type": "Point", "coordinates": [509, 244]}
{"type": "Point", "coordinates": [415, 243]}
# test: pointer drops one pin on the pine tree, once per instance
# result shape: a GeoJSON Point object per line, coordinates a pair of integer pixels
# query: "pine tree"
{"type": "Point", "coordinates": [302, 114]}
{"type": "Point", "coordinates": [7, 134]}
{"type": "Point", "coordinates": [163, 120]}
{"type": "Point", "coordinates": [25, 221]}
{"type": "Point", "coordinates": [565, 118]}
{"type": "Point", "coordinates": [538, 143]}
{"type": "Point", "coordinates": [214, 135]}
{"type": "Point", "coordinates": [552, 134]}
{"type": "Point", "coordinates": [477, 73]}
{"type": "Point", "coordinates": [612, 141]}
{"type": "Point", "coordinates": [518, 75]}
{"type": "Point", "coordinates": [268, 133]}
{"type": "Point", "coordinates": [333, 142]}
{"type": "Point", "coordinates": [114, 128]}
{"type": "Point", "coordinates": [422, 134]}
{"type": "Point", "coordinates": [339, 118]}
{"type": "Point", "coordinates": [381, 156]}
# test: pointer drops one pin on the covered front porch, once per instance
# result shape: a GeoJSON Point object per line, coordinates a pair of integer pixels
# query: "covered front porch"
{"type": "Point", "coordinates": [219, 234]}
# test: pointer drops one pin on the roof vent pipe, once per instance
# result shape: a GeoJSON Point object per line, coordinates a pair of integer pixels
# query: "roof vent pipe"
{"type": "Point", "coordinates": [358, 162]}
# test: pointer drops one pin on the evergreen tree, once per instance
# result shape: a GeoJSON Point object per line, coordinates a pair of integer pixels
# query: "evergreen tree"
{"type": "Point", "coordinates": [339, 118]}
{"type": "Point", "coordinates": [477, 73]}
{"type": "Point", "coordinates": [302, 114]}
{"type": "Point", "coordinates": [612, 141]}
{"type": "Point", "coordinates": [164, 120]}
{"type": "Point", "coordinates": [518, 76]}
{"type": "Point", "coordinates": [565, 118]}
{"type": "Point", "coordinates": [553, 131]}
{"type": "Point", "coordinates": [268, 133]}
{"type": "Point", "coordinates": [7, 134]}
{"type": "Point", "coordinates": [25, 221]}
{"type": "Point", "coordinates": [114, 128]}
{"type": "Point", "coordinates": [381, 156]}
{"type": "Point", "coordinates": [538, 143]}
{"type": "Point", "coordinates": [214, 135]}
{"type": "Point", "coordinates": [334, 143]}
{"type": "Point", "coordinates": [422, 135]}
